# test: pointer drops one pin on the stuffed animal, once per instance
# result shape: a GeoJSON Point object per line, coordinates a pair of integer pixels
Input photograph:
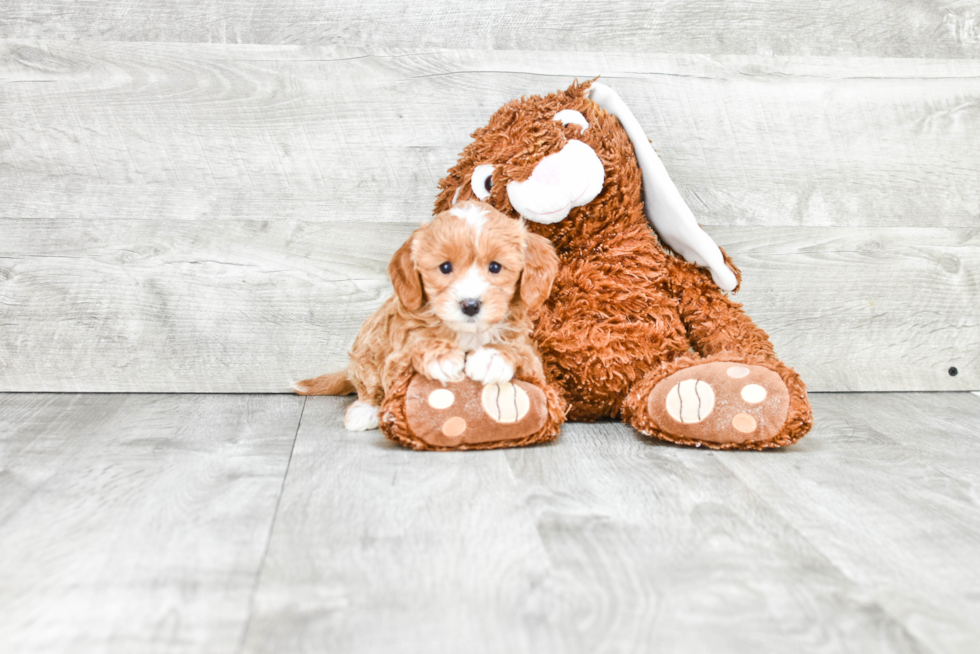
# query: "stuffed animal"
{"type": "Point", "coordinates": [637, 328]}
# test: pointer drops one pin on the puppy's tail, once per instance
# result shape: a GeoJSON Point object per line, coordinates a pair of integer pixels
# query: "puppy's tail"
{"type": "Point", "coordinates": [333, 383]}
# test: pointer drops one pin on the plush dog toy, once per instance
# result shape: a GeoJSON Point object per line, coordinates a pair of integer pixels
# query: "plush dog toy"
{"type": "Point", "coordinates": [637, 327]}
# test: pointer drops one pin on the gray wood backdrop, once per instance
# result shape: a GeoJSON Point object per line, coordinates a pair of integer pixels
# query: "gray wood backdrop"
{"type": "Point", "coordinates": [203, 196]}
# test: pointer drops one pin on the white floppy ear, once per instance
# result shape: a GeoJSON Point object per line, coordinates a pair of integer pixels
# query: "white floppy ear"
{"type": "Point", "coordinates": [663, 204]}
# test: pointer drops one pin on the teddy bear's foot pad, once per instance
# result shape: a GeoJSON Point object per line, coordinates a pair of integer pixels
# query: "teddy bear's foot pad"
{"type": "Point", "coordinates": [468, 413]}
{"type": "Point", "coordinates": [720, 403]}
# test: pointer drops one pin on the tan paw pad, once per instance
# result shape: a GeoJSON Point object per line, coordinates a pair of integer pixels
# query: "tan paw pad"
{"type": "Point", "coordinates": [744, 423]}
{"type": "Point", "coordinates": [690, 401]}
{"type": "Point", "coordinates": [753, 393]}
{"type": "Point", "coordinates": [453, 427]}
{"type": "Point", "coordinates": [441, 398]}
{"type": "Point", "coordinates": [505, 403]}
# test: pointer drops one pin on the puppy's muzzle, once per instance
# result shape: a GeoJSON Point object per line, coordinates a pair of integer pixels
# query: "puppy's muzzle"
{"type": "Point", "coordinates": [470, 307]}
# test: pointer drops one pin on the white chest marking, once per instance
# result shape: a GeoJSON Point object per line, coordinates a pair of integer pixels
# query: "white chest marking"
{"type": "Point", "coordinates": [472, 341]}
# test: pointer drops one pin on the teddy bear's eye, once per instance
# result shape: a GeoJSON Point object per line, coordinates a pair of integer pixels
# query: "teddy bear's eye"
{"type": "Point", "coordinates": [445, 268]}
{"type": "Point", "coordinates": [481, 182]}
{"type": "Point", "coordinates": [571, 117]}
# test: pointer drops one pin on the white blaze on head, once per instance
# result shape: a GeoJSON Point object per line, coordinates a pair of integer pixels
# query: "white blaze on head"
{"type": "Point", "coordinates": [474, 214]}
{"type": "Point", "coordinates": [570, 178]}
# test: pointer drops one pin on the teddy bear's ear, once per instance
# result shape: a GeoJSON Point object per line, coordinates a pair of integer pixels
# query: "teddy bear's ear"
{"type": "Point", "coordinates": [405, 278]}
{"type": "Point", "coordinates": [665, 208]}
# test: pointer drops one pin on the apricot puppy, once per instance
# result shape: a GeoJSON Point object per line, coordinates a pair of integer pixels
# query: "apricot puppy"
{"type": "Point", "coordinates": [464, 286]}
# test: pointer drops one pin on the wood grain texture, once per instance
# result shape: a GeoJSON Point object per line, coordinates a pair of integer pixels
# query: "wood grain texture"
{"type": "Point", "coordinates": [381, 549]}
{"type": "Point", "coordinates": [247, 306]}
{"type": "Point", "coordinates": [900, 28]}
{"type": "Point", "coordinates": [136, 523]}
{"type": "Point", "coordinates": [888, 490]}
{"type": "Point", "coordinates": [161, 306]}
{"type": "Point", "coordinates": [150, 523]}
{"type": "Point", "coordinates": [602, 542]}
{"type": "Point", "coordinates": [135, 130]}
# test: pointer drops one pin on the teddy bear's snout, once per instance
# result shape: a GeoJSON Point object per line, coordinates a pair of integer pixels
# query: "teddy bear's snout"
{"type": "Point", "coordinates": [570, 178]}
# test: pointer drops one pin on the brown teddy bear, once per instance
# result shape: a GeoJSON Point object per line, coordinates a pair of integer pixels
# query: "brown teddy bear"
{"type": "Point", "coordinates": [636, 327]}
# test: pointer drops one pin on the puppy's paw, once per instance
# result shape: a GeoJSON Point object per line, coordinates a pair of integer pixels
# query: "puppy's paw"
{"type": "Point", "coordinates": [489, 366]}
{"type": "Point", "coordinates": [447, 367]}
{"type": "Point", "coordinates": [361, 416]}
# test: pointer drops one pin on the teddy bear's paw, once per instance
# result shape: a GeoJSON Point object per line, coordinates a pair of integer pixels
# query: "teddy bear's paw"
{"type": "Point", "coordinates": [470, 414]}
{"type": "Point", "coordinates": [720, 403]}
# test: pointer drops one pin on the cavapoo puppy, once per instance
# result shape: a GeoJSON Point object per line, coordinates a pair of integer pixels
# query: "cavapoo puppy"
{"type": "Point", "coordinates": [464, 285]}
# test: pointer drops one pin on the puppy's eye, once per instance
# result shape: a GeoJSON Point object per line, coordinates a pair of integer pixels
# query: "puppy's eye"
{"type": "Point", "coordinates": [571, 117]}
{"type": "Point", "coordinates": [445, 268]}
{"type": "Point", "coordinates": [481, 182]}
{"type": "Point", "coordinates": [494, 267]}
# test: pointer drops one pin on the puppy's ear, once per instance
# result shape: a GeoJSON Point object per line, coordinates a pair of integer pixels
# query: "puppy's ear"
{"type": "Point", "coordinates": [405, 278]}
{"type": "Point", "coordinates": [540, 269]}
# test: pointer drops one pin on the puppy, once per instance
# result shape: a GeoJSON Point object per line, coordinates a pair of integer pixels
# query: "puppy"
{"type": "Point", "coordinates": [464, 286]}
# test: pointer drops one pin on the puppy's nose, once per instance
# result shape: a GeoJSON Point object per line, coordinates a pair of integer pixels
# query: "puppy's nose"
{"type": "Point", "coordinates": [470, 307]}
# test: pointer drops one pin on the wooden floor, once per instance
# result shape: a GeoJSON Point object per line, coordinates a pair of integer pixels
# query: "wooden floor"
{"type": "Point", "coordinates": [253, 523]}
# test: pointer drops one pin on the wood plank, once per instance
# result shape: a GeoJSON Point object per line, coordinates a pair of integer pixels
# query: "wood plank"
{"type": "Point", "coordinates": [601, 542]}
{"type": "Point", "coordinates": [939, 429]}
{"type": "Point", "coordinates": [942, 28]}
{"type": "Point", "coordinates": [160, 130]}
{"type": "Point", "coordinates": [242, 306]}
{"type": "Point", "coordinates": [878, 490]}
{"type": "Point", "coordinates": [161, 306]}
{"type": "Point", "coordinates": [377, 548]}
{"type": "Point", "coordinates": [248, 306]}
{"type": "Point", "coordinates": [865, 309]}
{"type": "Point", "coordinates": [136, 523]}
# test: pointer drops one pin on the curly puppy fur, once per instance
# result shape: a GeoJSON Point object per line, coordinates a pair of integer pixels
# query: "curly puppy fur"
{"type": "Point", "coordinates": [624, 311]}
{"type": "Point", "coordinates": [464, 286]}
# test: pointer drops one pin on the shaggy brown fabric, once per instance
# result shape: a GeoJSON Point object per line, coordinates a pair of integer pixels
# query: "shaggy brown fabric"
{"type": "Point", "coordinates": [623, 308]}
{"type": "Point", "coordinates": [405, 400]}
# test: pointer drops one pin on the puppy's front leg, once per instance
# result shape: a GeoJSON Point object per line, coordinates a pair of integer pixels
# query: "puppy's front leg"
{"type": "Point", "coordinates": [439, 360]}
{"type": "Point", "coordinates": [490, 365]}
{"type": "Point", "coordinates": [361, 416]}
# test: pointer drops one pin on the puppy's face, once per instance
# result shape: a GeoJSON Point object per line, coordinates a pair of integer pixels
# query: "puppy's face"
{"type": "Point", "coordinates": [472, 262]}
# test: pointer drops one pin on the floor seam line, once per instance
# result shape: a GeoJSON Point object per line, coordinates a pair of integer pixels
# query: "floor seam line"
{"type": "Point", "coordinates": [268, 540]}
